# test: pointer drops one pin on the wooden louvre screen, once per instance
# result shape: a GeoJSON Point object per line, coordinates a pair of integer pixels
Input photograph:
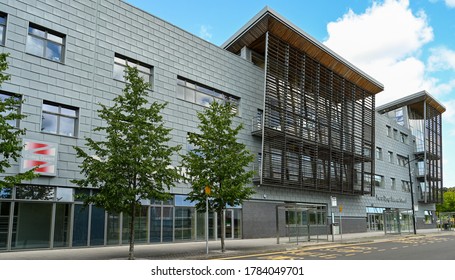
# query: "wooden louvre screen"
{"type": "Point", "coordinates": [318, 127]}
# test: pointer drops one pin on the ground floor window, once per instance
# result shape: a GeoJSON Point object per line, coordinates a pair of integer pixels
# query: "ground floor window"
{"type": "Point", "coordinates": [35, 218]}
{"type": "Point", "coordinates": [5, 208]}
{"type": "Point", "coordinates": [390, 220]}
{"type": "Point", "coordinates": [428, 217]}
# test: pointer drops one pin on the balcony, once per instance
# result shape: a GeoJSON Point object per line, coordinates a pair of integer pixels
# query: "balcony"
{"type": "Point", "coordinates": [256, 126]}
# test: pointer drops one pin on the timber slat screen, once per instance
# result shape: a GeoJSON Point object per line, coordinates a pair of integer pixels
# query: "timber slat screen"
{"type": "Point", "coordinates": [319, 128]}
{"type": "Point", "coordinates": [426, 124]}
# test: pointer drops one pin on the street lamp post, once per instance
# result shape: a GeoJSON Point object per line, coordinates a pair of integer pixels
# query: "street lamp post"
{"type": "Point", "coordinates": [412, 198]}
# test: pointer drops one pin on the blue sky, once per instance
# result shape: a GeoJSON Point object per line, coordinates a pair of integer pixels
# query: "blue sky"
{"type": "Point", "coordinates": [407, 45]}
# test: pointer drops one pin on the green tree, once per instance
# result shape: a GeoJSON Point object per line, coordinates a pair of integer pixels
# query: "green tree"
{"type": "Point", "coordinates": [134, 161]}
{"type": "Point", "coordinates": [219, 162]}
{"type": "Point", "coordinates": [10, 141]}
{"type": "Point", "coordinates": [448, 204]}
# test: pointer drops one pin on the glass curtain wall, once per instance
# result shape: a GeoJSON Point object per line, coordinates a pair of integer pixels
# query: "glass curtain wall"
{"type": "Point", "coordinates": [5, 209]}
{"type": "Point", "coordinates": [31, 218]}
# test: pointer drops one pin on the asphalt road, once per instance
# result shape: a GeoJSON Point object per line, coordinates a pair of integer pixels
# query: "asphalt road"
{"type": "Point", "coordinates": [440, 247]}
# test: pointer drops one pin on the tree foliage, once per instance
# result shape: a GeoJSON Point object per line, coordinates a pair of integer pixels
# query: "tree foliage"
{"type": "Point", "coordinates": [218, 161]}
{"type": "Point", "coordinates": [10, 141]}
{"type": "Point", "coordinates": [134, 161]}
{"type": "Point", "coordinates": [448, 204]}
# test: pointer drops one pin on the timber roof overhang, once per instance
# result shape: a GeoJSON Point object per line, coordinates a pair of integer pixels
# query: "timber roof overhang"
{"type": "Point", "coordinates": [416, 101]}
{"type": "Point", "coordinates": [268, 20]}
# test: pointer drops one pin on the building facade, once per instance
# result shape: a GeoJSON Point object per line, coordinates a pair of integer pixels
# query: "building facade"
{"type": "Point", "coordinates": [309, 116]}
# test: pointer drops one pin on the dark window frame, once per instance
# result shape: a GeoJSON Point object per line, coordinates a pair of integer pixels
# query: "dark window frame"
{"type": "Point", "coordinates": [46, 38]}
{"type": "Point", "coordinates": [3, 23]}
{"type": "Point", "coordinates": [121, 61]}
{"type": "Point", "coordinates": [201, 89]}
{"type": "Point", "coordinates": [5, 95]}
{"type": "Point", "coordinates": [60, 115]}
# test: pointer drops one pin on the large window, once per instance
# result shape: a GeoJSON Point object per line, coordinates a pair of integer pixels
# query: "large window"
{"type": "Point", "coordinates": [120, 63]}
{"type": "Point", "coordinates": [59, 119]}
{"type": "Point", "coordinates": [13, 109]}
{"type": "Point", "coordinates": [203, 95]}
{"type": "Point", "coordinates": [45, 43]}
{"type": "Point", "coordinates": [2, 28]}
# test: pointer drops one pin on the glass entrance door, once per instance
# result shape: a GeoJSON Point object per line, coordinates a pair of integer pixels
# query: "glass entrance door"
{"type": "Point", "coordinates": [375, 222]}
{"type": "Point", "coordinates": [229, 224]}
{"type": "Point", "coordinates": [392, 221]}
{"type": "Point", "coordinates": [229, 221]}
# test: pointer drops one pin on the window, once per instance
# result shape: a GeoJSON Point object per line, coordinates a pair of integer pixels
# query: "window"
{"type": "Point", "coordinates": [389, 131]}
{"type": "Point", "coordinates": [395, 134]}
{"type": "Point", "coordinates": [59, 119]}
{"type": "Point", "coordinates": [393, 183]}
{"type": "Point", "coordinates": [428, 217]}
{"type": "Point", "coordinates": [405, 186]}
{"type": "Point", "coordinates": [45, 43]}
{"type": "Point", "coordinates": [390, 156]}
{"type": "Point", "coordinates": [378, 181]}
{"type": "Point", "coordinates": [13, 109]}
{"type": "Point", "coordinates": [2, 28]}
{"type": "Point", "coordinates": [120, 63]}
{"type": "Point", "coordinates": [378, 153]}
{"type": "Point", "coordinates": [399, 116]}
{"type": "Point", "coordinates": [403, 138]}
{"type": "Point", "coordinates": [401, 160]}
{"type": "Point", "coordinates": [203, 95]}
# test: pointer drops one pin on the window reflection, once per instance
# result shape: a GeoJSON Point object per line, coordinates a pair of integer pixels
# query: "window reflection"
{"type": "Point", "coordinates": [10, 109]}
{"type": "Point", "coordinates": [5, 193]}
{"type": "Point", "coordinates": [120, 63]}
{"type": "Point", "coordinates": [35, 192]}
{"type": "Point", "coordinates": [203, 95]}
{"type": "Point", "coordinates": [2, 29]}
{"type": "Point", "coordinates": [49, 123]}
{"type": "Point", "coordinates": [58, 119]}
{"type": "Point", "coordinates": [45, 43]}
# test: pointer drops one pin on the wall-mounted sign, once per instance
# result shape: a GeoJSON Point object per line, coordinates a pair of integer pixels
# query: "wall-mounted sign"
{"type": "Point", "coordinates": [39, 154]}
{"type": "Point", "coordinates": [390, 199]}
{"type": "Point", "coordinates": [333, 200]}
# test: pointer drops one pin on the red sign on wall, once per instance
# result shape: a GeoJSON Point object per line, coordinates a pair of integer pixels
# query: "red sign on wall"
{"type": "Point", "coordinates": [39, 154]}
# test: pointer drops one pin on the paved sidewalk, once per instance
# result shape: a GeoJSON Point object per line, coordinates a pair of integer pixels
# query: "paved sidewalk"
{"type": "Point", "coordinates": [197, 250]}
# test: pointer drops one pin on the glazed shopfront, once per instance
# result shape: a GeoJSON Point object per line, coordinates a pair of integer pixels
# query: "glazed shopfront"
{"type": "Point", "coordinates": [35, 217]}
{"type": "Point", "coordinates": [389, 220]}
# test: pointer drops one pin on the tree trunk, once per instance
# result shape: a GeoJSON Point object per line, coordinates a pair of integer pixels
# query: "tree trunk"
{"type": "Point", "coordinates": [223, 231]}
{"type": "Point", "coordinates": [133, 214]}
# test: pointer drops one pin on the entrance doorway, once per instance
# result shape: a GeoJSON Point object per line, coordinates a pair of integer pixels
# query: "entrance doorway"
{"type": "Point", "coordinates": [392, 221]}
{"type": "Point", "coordinates": [375, 222]}
{"type": "Point", "coordinates": [303, 222]}
{"type": "Point", "coordinates": [232, 222]}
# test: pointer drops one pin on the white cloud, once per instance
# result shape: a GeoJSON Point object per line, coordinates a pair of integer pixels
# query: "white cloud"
{"type": "Point", "coordinates": [385, 41]}
{"type": "Point", "coordinates": [204, 32]}
{"type": "Point", "coordinates": [441, 58]}
{"type": "Point", "coordinates": [449, 116]}
{"type": "Point", "coordinates": [450, 3]}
